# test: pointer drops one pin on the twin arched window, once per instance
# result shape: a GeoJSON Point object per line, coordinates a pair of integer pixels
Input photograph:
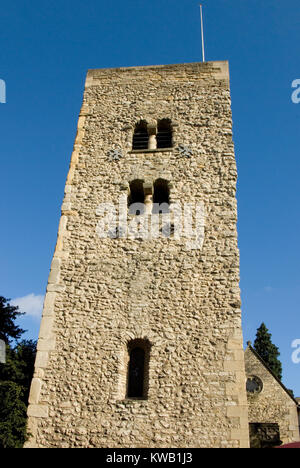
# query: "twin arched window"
{"type": "Point", "coordinates": [139, 195]}
{"type": "Point", "coordinates": [153, 137]}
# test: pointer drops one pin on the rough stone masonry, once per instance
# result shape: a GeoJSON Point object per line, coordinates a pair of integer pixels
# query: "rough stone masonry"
{"type": "Point", "coordinates": [180, 303]}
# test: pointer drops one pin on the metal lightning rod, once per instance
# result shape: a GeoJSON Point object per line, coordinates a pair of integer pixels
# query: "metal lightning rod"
{"type": "Point", "coordinates": [202, 34]}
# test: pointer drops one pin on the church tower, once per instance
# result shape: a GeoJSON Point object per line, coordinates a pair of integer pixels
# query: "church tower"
{"type": "Point", "coordinates": [140, 342]}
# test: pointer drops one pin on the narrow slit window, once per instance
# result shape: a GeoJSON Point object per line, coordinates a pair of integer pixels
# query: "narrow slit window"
{"type": "Point", "coordinates": [136, 373]}
{"type": "Point", "coordinates": [138, 369]}
{"type": "Point", "coordinates": [140, 136]}
{"type": "Point", "coordinates": [164, 134]}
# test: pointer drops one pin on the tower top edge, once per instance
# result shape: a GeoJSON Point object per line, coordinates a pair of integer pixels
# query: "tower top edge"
{"type": "Point", "coordinates": [219, 69]}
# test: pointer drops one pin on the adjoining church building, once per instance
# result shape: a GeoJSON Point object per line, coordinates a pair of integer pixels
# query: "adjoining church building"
{"type": "Point", "coordinates": [273, 411]}
{"type": "Point", "coordinates": [141, 341]}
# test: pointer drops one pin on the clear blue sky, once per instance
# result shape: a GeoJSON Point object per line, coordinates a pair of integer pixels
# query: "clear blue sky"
{"type": "Point", "coordinates": [46, 50]}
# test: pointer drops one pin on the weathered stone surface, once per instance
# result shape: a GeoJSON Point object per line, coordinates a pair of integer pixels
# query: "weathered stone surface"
{"type": "Point", "coordinates": [184, 300]}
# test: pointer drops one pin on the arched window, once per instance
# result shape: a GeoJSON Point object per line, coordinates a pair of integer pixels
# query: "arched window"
{"type": "Point", "coordinates": [136, 197]}
{"type": "Point", "coordinates": [161, 199]}
{"type": "Point", "coordinates": [138, 366]}
{"type": "Point", "coordinates": [140, 136]}
{"type": "Point", "coordinates": [164, 134]}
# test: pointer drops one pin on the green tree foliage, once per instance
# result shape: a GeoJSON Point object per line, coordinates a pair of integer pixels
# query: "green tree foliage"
{"type": "Point", "coordinates": [267, 350]}
{"type": "Point", "coordinates": [12, 415]}
{"type": "Point", "coordinates": [15, 378]}
{"type": "Point", "coordinates": [8, 314]}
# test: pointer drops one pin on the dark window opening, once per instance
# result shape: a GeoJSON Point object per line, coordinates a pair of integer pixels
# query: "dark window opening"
{"type": "Point", "coordinates": [136, 373]}
{"type": "Point", "coordinates": [164, 134]}
{"type": "Point", "coordinates": [136, 198]}
{"type": "Point", "coordinates": [161, 200]}
{"type": "Point", "coordinates": [264, 435]}
{"type": "Point", "coordinates": [254, 385]}
{"type": "Point", "coordinates": [140, 136]}
{"type": "Point", "coordinates": [138, 369]}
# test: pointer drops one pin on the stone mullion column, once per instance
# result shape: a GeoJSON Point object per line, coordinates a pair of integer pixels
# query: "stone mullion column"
{"type": "Point", "coordinates": [152, 131]}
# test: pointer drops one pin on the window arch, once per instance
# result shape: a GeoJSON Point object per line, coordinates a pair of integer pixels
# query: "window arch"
{"type": "Point", "coordinates": [138, 369]}
{"type": "Point", "coordinates": [164, 134]}
{"type": "Point", "coordinates": [161, 196]}
{"type": "Point", "coordinates": [140, 136]}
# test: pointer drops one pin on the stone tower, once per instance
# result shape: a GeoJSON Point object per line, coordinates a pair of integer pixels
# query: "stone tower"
{"type": "Point", "coordinates": [140, 342]}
